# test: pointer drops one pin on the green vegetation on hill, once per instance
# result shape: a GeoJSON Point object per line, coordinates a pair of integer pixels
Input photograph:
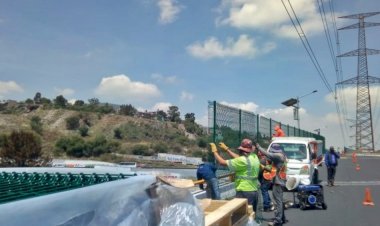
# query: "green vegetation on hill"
{"type": "Point", "coordinates": [95, 130]}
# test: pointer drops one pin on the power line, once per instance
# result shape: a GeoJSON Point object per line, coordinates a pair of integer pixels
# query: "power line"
{"type": "Point", "coordinates": [340, 100]}
{"type": "Point", "coordinates": [322, 13]}
{"type": "Point", "coordinates": [307, 45]}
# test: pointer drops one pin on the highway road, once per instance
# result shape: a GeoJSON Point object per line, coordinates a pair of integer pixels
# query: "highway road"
{"type": "Point", "coordinates": [344, 200]}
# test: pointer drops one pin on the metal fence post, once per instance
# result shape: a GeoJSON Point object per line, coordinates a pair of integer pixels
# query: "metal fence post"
{"type": "Point", "coordinates": [214, 129]}
{"type": "Point", "coordinates": [240, 125]}
{"type": "Point", "coordinates": [257, 127]}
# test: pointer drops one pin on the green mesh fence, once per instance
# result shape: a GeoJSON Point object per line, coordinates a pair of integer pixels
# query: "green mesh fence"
{"type": "Point", "coordinates": [16, 186]}
{"type": "Point", "coordinates": [231, 125]}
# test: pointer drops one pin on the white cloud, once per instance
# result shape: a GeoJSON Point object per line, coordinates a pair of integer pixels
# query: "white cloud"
{"type": "Point", "coordinates": [163, 106]}
{"type": "Point", "coordinates": [121, 89]}
{"type": "Point", "coordinates": [165, 79]}
{"type": "Point", "coordinates": [72, 101]}
{"type": "Point", "coordinates": [9, 87]}
{"type": "Point", "coordinates": [185, 96]}
{"type": "Point", "coordinates": [203, 120]}
{"type": "Point", "coordinates": [249, 106]}
{"type": "Point", "coordinates": [169, 9]}
{"type": "Point", "coordinates": [271, 16]}
{"type": "Point", "coordinates": [244, 46]}
{"type": "Point", "coordinates": [64, 92]}
{"type": "Point", "coordinates": [347, 99]}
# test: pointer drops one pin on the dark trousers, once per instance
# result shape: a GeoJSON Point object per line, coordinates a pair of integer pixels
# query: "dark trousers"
{"type": "Point", "coordinates": [331, 170]}
{"type": "Point", "coordinates": [212, 190]}
{"type": "Point", "coordinates": [251, 196]}
{"type": "Point", "coordinates": [279, 214]}
{"type": "Point", "coordinates": [265, 192]}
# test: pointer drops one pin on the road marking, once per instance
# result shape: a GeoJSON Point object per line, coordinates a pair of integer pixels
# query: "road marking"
{"type": "Point", "coordinates": [354, 183]}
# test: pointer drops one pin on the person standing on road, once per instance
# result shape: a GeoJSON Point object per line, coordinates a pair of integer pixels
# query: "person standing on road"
{"type": "Point", "coordinates": [278, 158]}
{"type": "Point", "coordinates": [331, 161]}
{"type": "Point", "coordinates": [206, 171]}
{"type": "Point", "coordinates": [265, 184]}
{"type": "Point", "coordinates": [246, 166]}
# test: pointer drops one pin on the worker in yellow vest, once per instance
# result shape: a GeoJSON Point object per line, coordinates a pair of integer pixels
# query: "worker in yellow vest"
{"type": "Point", "coordinates": [246, 166]}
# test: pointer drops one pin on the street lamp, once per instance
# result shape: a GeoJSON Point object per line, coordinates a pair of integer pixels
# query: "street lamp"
{"type": "Point", "coordinates": [295, 102]}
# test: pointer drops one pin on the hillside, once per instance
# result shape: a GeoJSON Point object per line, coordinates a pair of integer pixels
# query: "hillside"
{"type": "Point", "coordinates": [118, 135]}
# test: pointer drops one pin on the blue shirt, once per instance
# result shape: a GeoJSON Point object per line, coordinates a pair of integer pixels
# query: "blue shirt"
{"type": "Point", "coordinates": [206, 171]}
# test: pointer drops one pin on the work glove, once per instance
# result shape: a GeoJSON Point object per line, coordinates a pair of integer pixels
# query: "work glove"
{"type": "Point", "coordinates": [268, 168]}
{"type": "Point", "coordinates": [223, 146]}
{"type": "Point", "coordinates": [213, 147]}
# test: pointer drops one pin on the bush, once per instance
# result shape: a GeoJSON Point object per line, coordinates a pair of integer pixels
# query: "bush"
{"type": "Point", "coordinates": [73, 146]}
{"type": "Point", "coordinates": [36, 124]}
{"type": "Point", "coordinates": [72, 123]}
{"type": "Point", "coordinates": [177, 149]}
{"type": "Point", "coordinates": [21, 148]}
{"type": "Point", "coordinates": [198, 153]}
{"type": "Point", "coordinates": [117, 133]}
{"type": "Point", "coordinates": [83, 131]}
{"type": "Point", "coordinates": [77, 147]}
{"type": "Point", "coordinates": [141, 149]}
{"type": "Point", "coordinates": [202, 143]}
{"type": "Point", "coordinates": [160, 148]}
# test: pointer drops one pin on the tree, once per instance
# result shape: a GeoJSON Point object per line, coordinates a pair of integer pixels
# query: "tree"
{"type": "Point", "coordinates": [174, 114]}
{"type": "Point", "coordinates": [190, 117]}
{"type": "Point", "coordinates": [127, 110]}
{"type": "Point", "coordinates": [45, 101]}
{"type": "Point", "coordinates": [190, 124]}
{"type": "Point", "coordinates": [22, 148]}
{"type": "Point", "coordinates": [60, 101]}
{"type": "Point", "coordinates": [93, 101]}
{"type": "Point", "coordinates": [161, 115]}
{"type": "Point", "coordinates": [79, 103]}
{"type": "Point", "coordinates": [29, 101]}
{"type": "Point", "coordinates": [106, 108]}
{"type": "Point", "coordinates": [37, 98]}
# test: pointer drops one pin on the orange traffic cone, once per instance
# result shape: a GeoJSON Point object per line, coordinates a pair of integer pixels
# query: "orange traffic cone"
{"type": "Point", "coordinates": [357, 167]}
{"type": "Point", "coordinates": [368, 198]}
{"type": "Point", "coordinates": [354, 160]}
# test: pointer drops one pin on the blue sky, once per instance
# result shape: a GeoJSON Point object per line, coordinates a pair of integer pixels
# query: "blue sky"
{"type": "Point", "coordinates": [157, 53]}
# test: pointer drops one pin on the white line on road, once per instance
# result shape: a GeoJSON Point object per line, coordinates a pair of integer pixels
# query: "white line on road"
{"type": "Point", "coordinates": [355, 183]}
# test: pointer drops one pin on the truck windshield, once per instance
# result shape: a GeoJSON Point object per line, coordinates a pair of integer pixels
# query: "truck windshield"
{"type": "Point", "coordinates": [294, 151]}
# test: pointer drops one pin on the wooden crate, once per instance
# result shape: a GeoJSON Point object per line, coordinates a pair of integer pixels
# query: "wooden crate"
{"type": "Point", "coordinates": [233, 212]}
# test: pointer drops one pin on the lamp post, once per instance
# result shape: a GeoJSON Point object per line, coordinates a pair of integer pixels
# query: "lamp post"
{"type": "Point", "coordinates": [295, 102]}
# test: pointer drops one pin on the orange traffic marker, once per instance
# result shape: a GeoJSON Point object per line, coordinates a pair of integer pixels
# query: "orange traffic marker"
{"type": "Point", "coordinates": [368, 198]}
{"type": "Point", "coordinates": [357, 167]}
{"type": "Point", "coordinates": [354, 160]}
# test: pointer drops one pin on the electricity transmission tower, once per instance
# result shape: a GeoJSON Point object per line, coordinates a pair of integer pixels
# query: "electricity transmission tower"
{"type": "Point", "coordinates": [364, 127]}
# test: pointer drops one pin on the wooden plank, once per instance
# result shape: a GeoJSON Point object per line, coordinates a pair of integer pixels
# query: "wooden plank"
{"type": "Point", "coordinates": [226, 213]}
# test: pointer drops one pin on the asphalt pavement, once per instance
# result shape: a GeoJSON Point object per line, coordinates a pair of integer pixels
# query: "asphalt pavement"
{"type": "Point", "coordinates": [344, 201]}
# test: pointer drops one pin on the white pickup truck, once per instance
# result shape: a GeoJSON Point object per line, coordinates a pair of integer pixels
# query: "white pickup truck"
{"type": "Point", "coordinates": [302, 154]}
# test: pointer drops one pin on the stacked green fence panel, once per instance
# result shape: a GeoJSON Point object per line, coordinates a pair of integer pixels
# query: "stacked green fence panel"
{"type": "Point", "coordinates": [16, 186]}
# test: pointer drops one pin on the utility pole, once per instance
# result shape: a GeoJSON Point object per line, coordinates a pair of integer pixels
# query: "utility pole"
{"type": "Point", "coordinates": [364, 126]}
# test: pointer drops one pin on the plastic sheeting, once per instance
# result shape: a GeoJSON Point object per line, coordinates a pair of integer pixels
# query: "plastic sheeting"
{"type": "Point", "coordinates": [139, 200]}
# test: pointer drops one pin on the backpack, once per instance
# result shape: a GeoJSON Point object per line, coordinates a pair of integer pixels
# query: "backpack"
{"type": "Point", "coordinates": [333, 159]}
